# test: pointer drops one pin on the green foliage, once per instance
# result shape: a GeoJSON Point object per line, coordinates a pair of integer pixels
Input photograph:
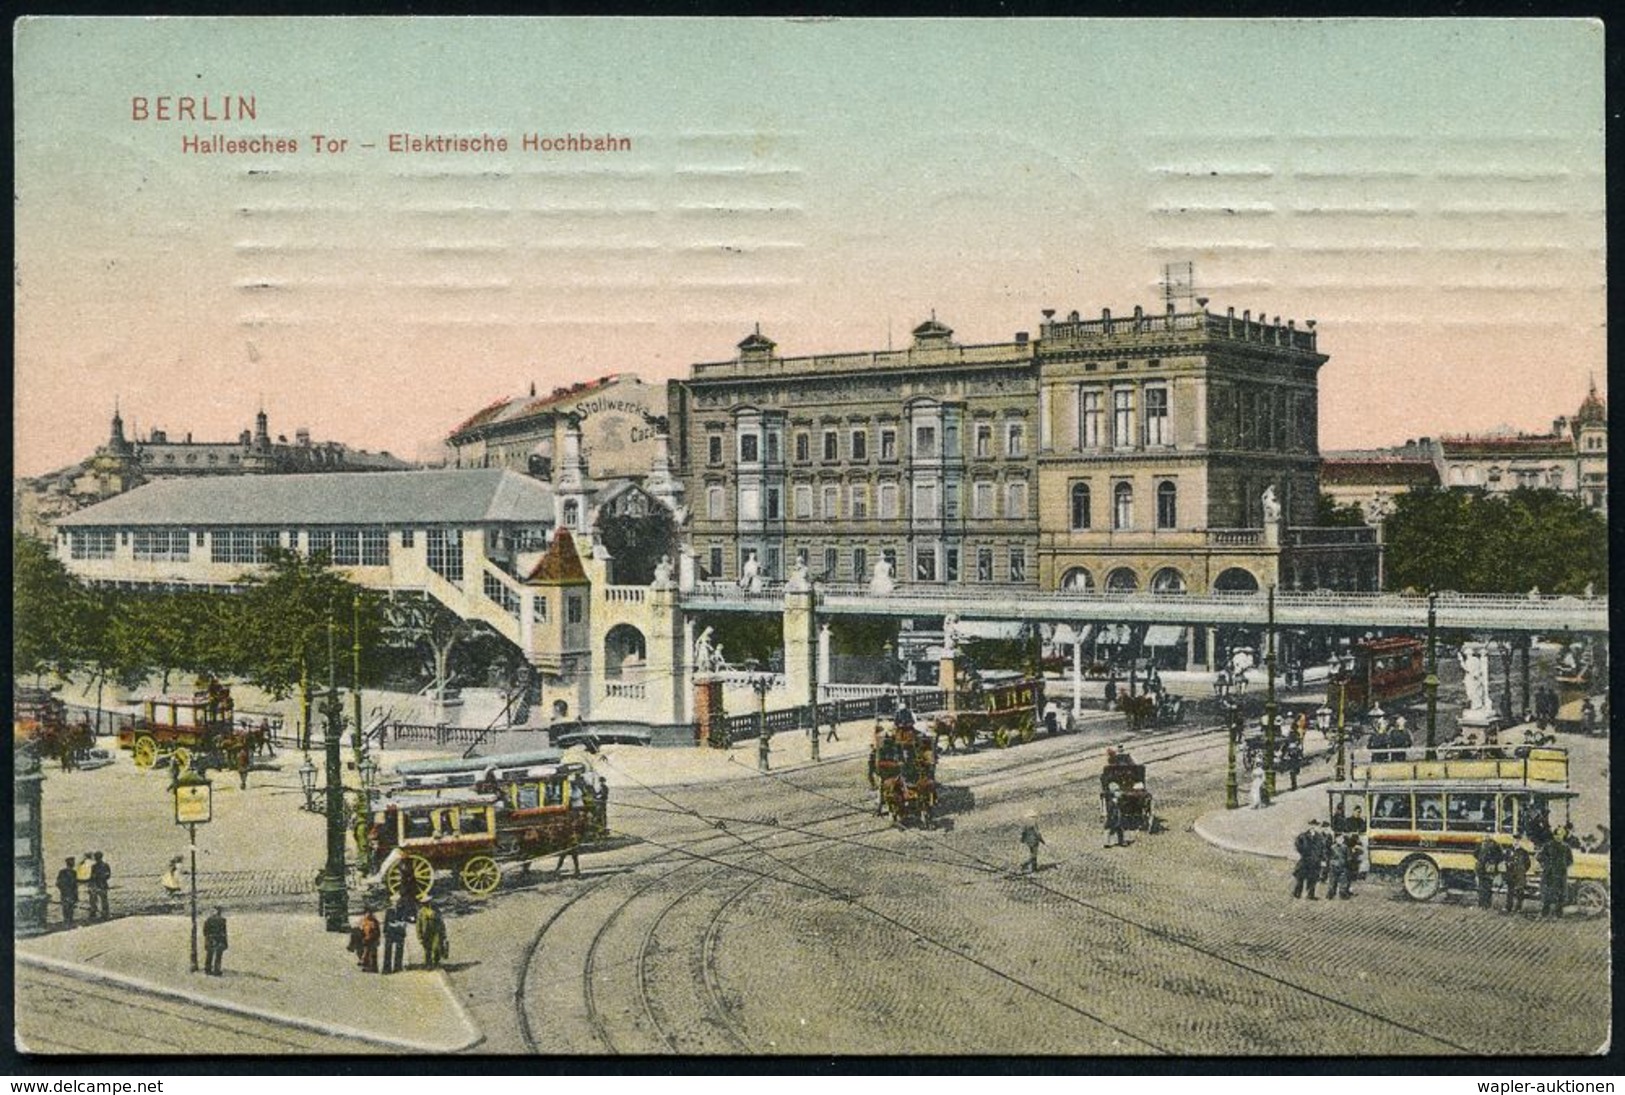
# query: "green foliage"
{"type": "Point", "coordinates": [52, 612]}
{"type": "Point", "coordinates": [1471, 542]}
{"type": "Point", "coordinates": [286, 609]}
{"type": "Point", "coordinates": [862, 634]}
{"type": "Point", "coordinates": [636, 543]}
{"type": "Point", "coordinates": [1330, 514]}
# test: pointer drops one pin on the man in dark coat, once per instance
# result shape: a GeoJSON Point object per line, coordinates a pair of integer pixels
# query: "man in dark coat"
{"type": "Point", "coordinates": [1031, 838]}
{"type": "Point", "coordinates": [1517, 876]}
{"type": "Point", "coordinates": [101, 879]}
{"type": "Point", "coordinates": [1555, 858]}
{"type": "Point", "coordinates": [395, 918]}
{"type": "Point", "coordinates": [1114, 816]}
{"type": "Point", "coordinates": [1307, 872]}
{"type": "Point", "coordinates": [1337, 880]}
{"type": "Point", "coordinates": [1486, 861]}
{"type": "Point", "coordinates": [67, 891]}
{"type": "Point", "coordinates": [214, 941]}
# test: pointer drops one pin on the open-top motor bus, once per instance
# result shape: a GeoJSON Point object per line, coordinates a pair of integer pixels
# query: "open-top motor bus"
{"type": "Point", "coordinates": [467, 815]}
{"type": "Point", "coordinates": [1425, 817]}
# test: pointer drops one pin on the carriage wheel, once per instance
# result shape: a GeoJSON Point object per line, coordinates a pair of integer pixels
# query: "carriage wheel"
{"type": "Point", "coordinates": [1420, 876]}
{"type": "Point", "coordinates": [145, 753]}
{"type": "Point", "coordinates": [1591, 898]}
{"type": "Point", "coordinates": [422, 876]}
{"type": "Point", "coordinates": [181, 759]}
{"type": "Point", "coordinates": [481, 875]}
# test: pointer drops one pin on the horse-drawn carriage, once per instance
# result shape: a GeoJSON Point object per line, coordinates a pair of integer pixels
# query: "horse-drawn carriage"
{"type": "Point", "coordinates": [1005, 712]}
{"type": "Point", "coordinates": [38, 716]}
{"type": "Point", "coordinates": [467, 816]}
{"type": "Point", "coordinates": [184, 731]}
{"type": "Point", "coordinates": [903, 770]}
{"type": "Point", "coordinates": [1122, 787]}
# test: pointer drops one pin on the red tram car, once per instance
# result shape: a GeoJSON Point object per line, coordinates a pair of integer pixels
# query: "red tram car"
{"type": "Point", "coordinates": [1384, 671]}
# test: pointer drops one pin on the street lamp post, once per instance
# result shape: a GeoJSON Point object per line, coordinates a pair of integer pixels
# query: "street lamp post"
{"type": "Point", "coordinates": [1231, 731]}
{"type": "Point", "coordinates": [332, 894]}
{"type": "Point", "coordinates": [194, 806]}
{"type": "Point", "coordinates": [1431, 684]}
{"type": "Point", "coordinates": [1269, 703]}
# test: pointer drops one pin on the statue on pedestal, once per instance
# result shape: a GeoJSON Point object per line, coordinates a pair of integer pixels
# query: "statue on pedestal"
{"type": "Point", "coordinates": [881, 581]}
{"type": "Point", "coordinates": [1272, 507]}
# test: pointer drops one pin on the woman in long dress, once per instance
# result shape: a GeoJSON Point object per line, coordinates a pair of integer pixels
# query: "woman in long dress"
{"type": "Point", "coordinates": [1256, 795]}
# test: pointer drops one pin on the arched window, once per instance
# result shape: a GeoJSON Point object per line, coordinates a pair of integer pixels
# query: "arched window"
{"type": "Point", "coordinates": [1167, 580]}
{"type": "Point", "coordinates": [1080, 506]}
{"type": "Point", "coordinates": [572, 514]}
{"type": "Point", "coordinates": [1122, 580]}
{"type": "Point", "coordinates": [1167, 504]}
{"type": "Point", "coordinates": [1123, 506]}
{"type": "Point", "coordinates": [1078, 580]}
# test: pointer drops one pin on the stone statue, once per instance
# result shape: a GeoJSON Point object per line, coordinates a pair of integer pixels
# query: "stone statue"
{"type": "Point", "coordinates": [750, 577]}
{"type": "Point", "coordinates": [881, 581]}
{"type": "Point", "coordinates": [704, 654]}
{"type": "Point", "coordinates": [662, 574]}
{"type": "Point", "coordinates": [950, 637]}
{"type": "Point", "coordinates": [1475, 668]}
{"type": "Point", "coordinates": [800, 580]}
{"type": "Point", "coordinates": [1272, 508]}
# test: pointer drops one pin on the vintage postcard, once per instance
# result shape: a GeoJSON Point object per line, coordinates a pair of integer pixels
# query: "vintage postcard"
{"type": "Point", "coordinates": [810, 537]}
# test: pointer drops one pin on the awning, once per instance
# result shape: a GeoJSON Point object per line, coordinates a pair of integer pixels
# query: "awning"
{"type": "Point", "coordinates": [988, 629]}
{"type": "Point", "coordinates": [1065, 635]}
{"type": "Point", "coordinates": [1164, 635]}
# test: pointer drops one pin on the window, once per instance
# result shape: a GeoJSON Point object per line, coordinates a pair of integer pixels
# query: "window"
{"type": "Point", "coordinates": [984, 441]}
{"type": "Point", "coordinates": [713, 503]}
{"type": "Point", "coordinates": [832, 560]}
{"type": "Point", "coordinates": [1167, 504]}
{"type": "Point", "coordinates": [1156, 416]}
{"type": "Point", "coordinates": [1015, 500]}
{"type": "Point", "coordinates": [832, 446]}
{"type": "Point", "coordinates": [1391, 811]}
{"type": "Point", "coordinates": [572, 513]}
{"type": "Point", "coordinates": [925, 501]}
{"type": "Point", "coordinates": [771, 570]}
{"type": "Point", "coordinates": [346, 547]}
{"type": "Point", "coordinates": [750, 504]}
{"type": "Point", "coordinates": [950, 564]}
{"type": "Point", "coordinates": [801, 556]}
{"type": "Point", "coordinates": [804, 496]}
{"type": "Point", "coordinates": [1429, 811]}
{"type": "Point", "coordinates": [714, 449]}
{"type": "Point", "coordinates": [445, 553]}
{"type": "Point", "coordinates": [1018, 564]}
{"type": "Point", "coordinates": [859, 501]}
{"type": "Point", "coordinates": [538, 609]}
{"type": "Point", "coordinates": [982, 496]}
{"type": "Point", "coordinates": [1122, 506]}
{"type": "Point", "coordinates": [319, 541]}
{"type": "Point", "coordinates": [890, 555]}
{"type": "Point", "coordinates": [1089, 419]}
{"type": "Point", "coordinates": [950, 440]}
{"type": "Point", "coordinates": [772, 503]}
{"type": "Point", "coordinates": [407, 538]}
{"type": "Point", "coordinates": [888, 501]}
{"type": "Point", "coordinates": [95, 543]}
{"type": "Point", "coordinates": [1471, 813]}
{"type": "Point", "coordinates": [831, 495]}
{"type": "Point", "coordinates": [803, 448]}
{"type": "Point", "coordinates": [499, 593]}
{"type": "Point", "coordinates": [888, 444]}
{"type": "Point", "coordinates": [572, 608]}
{"type": "Point", "coordinates": [950, 501]}
{"type": "Point", "coordinates": [925, 563]}
{"type": "Point", "coordinates": [1015, 439]}
{"type": "Point", "coordinates": [772, 446]}
{"type": "Point", "coordinates": [748, 443]}
{"type": "Point", "coordinates": [860, 564]}
{"type": "Point", "coordinates": [1122, 417]}
{"type": "Point", "coordinates": [716, 563]}
{"type": "Point", "coordinates": [162, 545]}
{"type": "Point", "coordinates": [860, 444]}
{"type": "Point", "coordinates": [1080, 506]}
{"type": "Point", "coordinates": [925, 442]}
{"type": "Point", "coordinates": [374, 547]}
{"type": "Point", "coordinates": [984, 564]}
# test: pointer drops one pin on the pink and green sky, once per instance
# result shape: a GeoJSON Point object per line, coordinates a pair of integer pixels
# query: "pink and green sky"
{"type": "Point", "coordinates": [1430, 192]}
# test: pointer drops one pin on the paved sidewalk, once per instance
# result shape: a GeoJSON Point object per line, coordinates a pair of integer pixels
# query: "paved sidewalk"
{"type": "Point", "coordinates": [1269, 831]}
{"type": "Point", "coordinates": [283, 968]}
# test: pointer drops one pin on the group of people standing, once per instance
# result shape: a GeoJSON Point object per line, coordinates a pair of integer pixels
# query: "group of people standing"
{"type": "Point", "coordinates": [1325, 855]}
{"type": "Point", "coordinates": [87, 880]}
{"type": "Point", "coordinates": [1554, 854]}
{"type": "Point", "coordinates": [368, 933]}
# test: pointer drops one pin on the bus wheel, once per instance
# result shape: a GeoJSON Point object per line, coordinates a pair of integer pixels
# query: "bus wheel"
{"type": "Point", "coordinates": [481, 875]}
{"type": "Point", "coordinates": [1421, 878]}
{"type": "Point", "coordinates": [1591, 898]}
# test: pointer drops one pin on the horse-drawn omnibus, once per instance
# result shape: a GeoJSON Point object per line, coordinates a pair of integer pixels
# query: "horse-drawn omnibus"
{"type": "Point", "coordinates": [184, 730]}
{"type": "Point", "coordinates": [467, 816]}
{"type": "Point", "coordinates": [1123, 779]}
{"type": "Point", "coordinates": [1004, 710]}
{"type": "Point", "coordinates": [1425, 818]}
{"type": "Point", "coordinates": [38, 716]}
{"type": "Point", "coordinates": [903, 770]}
{"type": "Point", "coordinates": [1382, 671]}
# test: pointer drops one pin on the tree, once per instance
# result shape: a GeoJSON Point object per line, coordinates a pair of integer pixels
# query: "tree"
{"type": "Point", "coordinates": [1329, 513]}
{"type": "Point", "coordinates": [1471, 542]}
{"type": "Point", "coordinates": [50, 611]}
{"type": "Point", "coordinates": [436, 629]}
{"type": "Point", "coordinates": [636, 542]}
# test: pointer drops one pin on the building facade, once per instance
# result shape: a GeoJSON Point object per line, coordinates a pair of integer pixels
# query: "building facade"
{"type": "Point", "coordinates": [613, 414]}
{"type": "Point", "coordinates": [1572, 457]}
{"type": "Point", "coordinates": [1158, 451]}
{"type": "Point", "coordinates": [1371, 479]}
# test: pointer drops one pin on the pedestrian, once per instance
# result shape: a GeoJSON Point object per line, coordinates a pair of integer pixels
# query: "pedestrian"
{"type": "Point", "coordinates": [603, 806]}
{"type": "Point", "coordinates": [1111, 691]}
{"type": "Point", "coordinates": [573, 851]}
{"type": "Point", "coordinates": [432, 935]}
{"type": "Point", "coordinates": [1292, 760]}
{"type": "Point", "coordinates": [214, 941]}
{"type": "Point", "coordinates": [1555, 858]}
{"type": "Point", "coordinates": [763, 749]}
{"type": "Point", "coordinates": [1114, 816]}
{"type": "Point", "coordinates": [1337, 877]}
{"type": "Point", "coordinates": [834, 724]}
{"type": "Point", "coordinates": [1031, 838]}
{"type": "Point", "coordinates": [1517, 876]}
{"type": "Point", "coordinates": [395, 918]}
{"type": "Point", "coordinates": [1340, 824]}
{"type": "Point", "coordinates": [67, 891]}
{"type": "Point", "coordinates": [1486, 861]}
{"type": "Point", "coordinates": [82, 870]}
{"type": "Point", "coordinates": [1307, 872]}
{"type": "Point", "coordinates": [101, 877]}
{"type": "Point", "coordinates": [1356, 822]}
{"type": "Point", "coordinates": [371, 933]}
{"type": "Point", "coordinates": [244, 758]}
{"type": "Point", "coordinates": [1255, 795]}
{"type": "Point", "coordinates": [171, 879]}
